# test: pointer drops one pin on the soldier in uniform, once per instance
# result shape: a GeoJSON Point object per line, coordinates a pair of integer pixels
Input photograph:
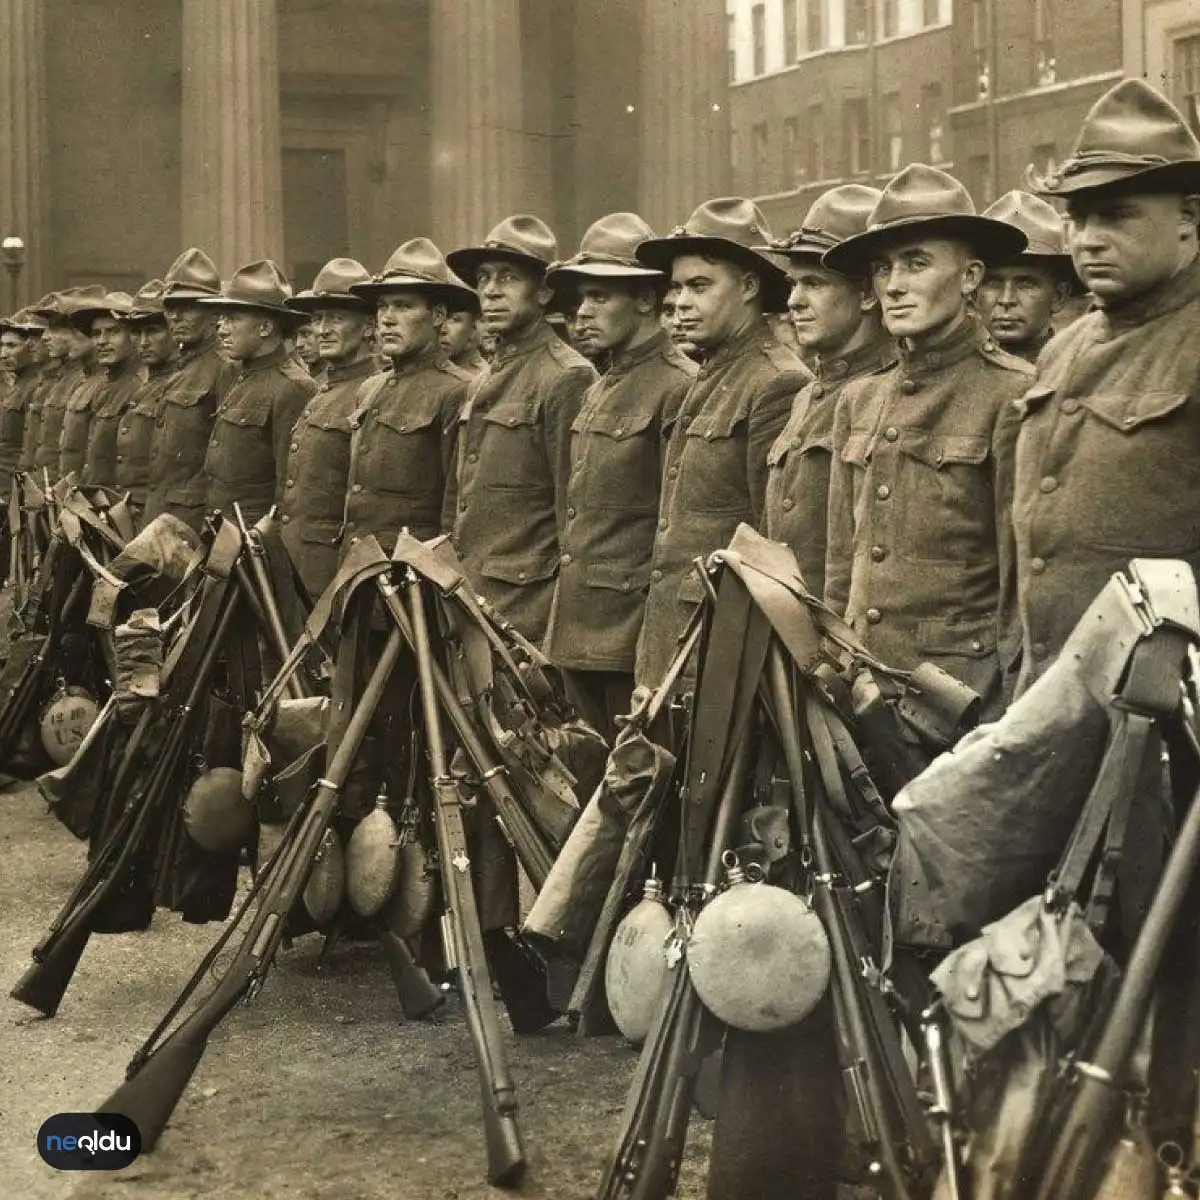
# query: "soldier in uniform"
{"type": "Point", "coordinates": [313, 503]}
{"type": "Point", "coordinates": [247, 454]}
{"type": "Point", "coordinates": [616, 467]}
{"type": "Point", "coordinates": [920, 548]}
{"type": "Point", "coordinates": [515, 429]}
{"type": "Point", "coordinates": [49, 369]}
{"type": "Point", "coordinates": [460, 335]}
{"type": "Point", "coordinates": [1107, 468]}
{"type": "Point", "coordinates": [1018, 300]}
{"type": "Point", "coordinates": [192, 393]}
{"type": "Point", "coordinates": [156, 351]}
{"type": "Point", "coordinates": [406, 425]}
{"type": "Point", "coordinates": [735, 408]}
{"type": "Point", "coordinates": [305, 341]}
{"type": "Point", "coordinates": [837, 322]}
{"type": "Point", "coordinates": [19, 336]}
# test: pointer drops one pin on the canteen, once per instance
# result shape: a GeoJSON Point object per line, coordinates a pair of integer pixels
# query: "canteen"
{"type": "Point", "coordinates": [411, 905]}
{"type": "Point", "coordinates": [216, 815]}
{"type": "Point", "coordinates": [373, 860]}
{"type": "Point", "coordinates": [65, 721]}
{"type": "Point", "coordinates": [758, 956]}
{"type": "Point", "coordinates": [636, 968]}
{"type": "Point", "coordinates": [326, 884]}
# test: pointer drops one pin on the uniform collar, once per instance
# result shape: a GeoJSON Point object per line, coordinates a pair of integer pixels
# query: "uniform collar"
{"type": "Point", "coordinates": [629, 358]}
{"type": "Point", "coordinates": [52, 368]}
{"type": "Point", "coordinates": [539, 333]}
{"type": "Point", "coordinates": [198, 349]}
{"type": "Point", "coordinates": [126, 366]}
{"type": "Point", "coordinates": [758, 331]}
{"type": "Point", "coordinates": [961, 344]}
{"type": "Point", "coordinates": [877, 352]}
{"type": "Point", "coordinates": [1166, 297]}
{"type": "Point", "coordinates": [163, 368]}
{"type": "Point", "coordinates": [359, 368]}
{"type": "Point", "coordinates": [418, 362]}
{"type": "Point", "coordinates": [470, 360]}
{"type": "Point", "coordinates": [254, 365]}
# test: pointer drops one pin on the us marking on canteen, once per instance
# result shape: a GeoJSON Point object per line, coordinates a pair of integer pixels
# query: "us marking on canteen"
{"type": "Point", "coordinates": [89, 1141]}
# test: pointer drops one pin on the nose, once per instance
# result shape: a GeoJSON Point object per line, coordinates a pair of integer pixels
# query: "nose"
{"type": "Point", "coordinates": [1085, 233]}
{"type": "Point", "coordinates": [1008, 294]}
{"type": "Point", "coordinates": [797, 299]}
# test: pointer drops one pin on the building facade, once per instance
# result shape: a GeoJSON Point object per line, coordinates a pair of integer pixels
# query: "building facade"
{"type": "Point", "coordinates": [1161, 41]}
{"type": "Point", "coordinates": [305, 129]}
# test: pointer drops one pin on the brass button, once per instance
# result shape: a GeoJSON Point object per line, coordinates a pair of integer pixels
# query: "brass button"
{"type": "Point", "coordinates": [472, 457]}
{"type": "Point", "coordinates": [357, 487]}
{"type": "Point", "coordinates": [565, 560]}
{"type": "Point", "coordinates": [1048, 484]}
{"type": "Point", "coordinates": [1037, 565]}
{"type": "Point", "coordinates": [789, 504]}
{"type": "Point", "coordinates": [570, 512]}
{"type": "Point", "coordinates": [295, 445]}
{"type": "Point", "coordinates": [976, 645]}
{"type": "Point", "coordinates": [1040, 650]}
{"type": "Point", "coordinates": [874, 616]}
{"type": "Point", "coordinates": [512, 420]}
{"type": "Point", "coordinates": [878, 554]}
{"type": "Point", "coordinates": [909, 386]}
{"type": "Point", "coordinates": [1070, 406]}
{"type": "Point", "coordinates": [285, 519]}
{"type": "Point", "coordinates": [1128, 422]}
{"type": "Point", "coordinates": [620, 429]}
{"type": "Point", "coordinates": [291, 483]}
{"type": "Point", "coordinates": [891, 433]}
{"type": "Point", "coordinates": [673, 473]}
{"type": "Point", "coordinates": [120, 458]}
{"type": "Point", "coordinates": [656, 576]}
{"type": "Point", "coordinates": [522, 575]}
{"type": "Point", "coordinates": [883, 491]}
{"type": "Point", "coordinates": [817, 391]}
{"type": "Point", "coordinates": [662, 525]}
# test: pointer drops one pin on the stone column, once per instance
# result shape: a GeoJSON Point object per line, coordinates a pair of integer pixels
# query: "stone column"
{"type": "Point", "coordinates": [477, 163]}
{"type": "Point", "coordinates": [684, 106]}
{"type": "Point", "coordinates": [24, 212]}
{"type": "Point", "coordinates": [232, 191]}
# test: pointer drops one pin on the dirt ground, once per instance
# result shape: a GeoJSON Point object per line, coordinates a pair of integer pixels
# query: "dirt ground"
{"type": "Point", "coordinates": [316, 1090]}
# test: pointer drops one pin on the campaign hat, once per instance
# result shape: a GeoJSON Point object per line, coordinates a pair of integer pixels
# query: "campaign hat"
{"type": "Point", "coordinates": [522, 239]}
{"type": "Point", "coordinates": [332, 288]}
{"type": "Point", "coordinates": [1042, 225]}
{"type": "Point", "coordinates": [840, 213]}
{"type": "Point", "coordinates": [419, 265]}
{"type": "Point", "coordinates": [192, 276]}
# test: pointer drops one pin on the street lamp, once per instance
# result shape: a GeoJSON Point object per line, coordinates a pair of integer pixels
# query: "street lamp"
{"type": "Point", "coordinates": [13, 251]}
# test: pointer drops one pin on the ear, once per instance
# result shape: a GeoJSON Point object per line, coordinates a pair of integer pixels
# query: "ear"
{"type": "Point", "coordinates": [752, 287]}
{"type": "Point", "coordinates": [647, 301]}
{"type": "Point", "coordinates": [545, 295]}
{"type": "Point", "coordinates": [972, 276]}
{"type": "Point", "coordinates": [1191, 213]}
{"type": "Point", "coordinates": [439, 315]}
{"type": "Point", "coordinates": [867, 300]}
{"type": "Point", "coordinates": [1062, 293]}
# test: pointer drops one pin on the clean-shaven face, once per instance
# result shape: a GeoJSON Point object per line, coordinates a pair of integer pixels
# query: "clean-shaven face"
{"type": "Point", "coordinates": [155, 342]}
{"type": "Point", "coordinates": [340, 333]}
{"type": "Point", "coordinates": [922, 286]}
{"type": "Point", "coordinates": [112, 342]}
{"type": "Point", "coordinates": [1018, 302]}
{"type": "Point", "coordinates": [713, 299]}
{"type": "Point", "coordinates": [826, 307]}
{"type": "Point", "coordinates": [511, 296]}
{"type": "Point", "coordinates": [406, 323]}
{"type": "Point", "coordinates": [609, 314]}
{"type": "Point", "coordinates": [190, 323]}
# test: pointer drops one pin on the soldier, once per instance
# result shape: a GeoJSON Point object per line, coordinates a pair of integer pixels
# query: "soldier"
{"type": "Point", "coordinates": [403, 446]}
{"type": "Point", "coordinates": [460, 333]}
{"type": "Point", "coordinates": [919, 555]}
{"type": "Point", "coordinates": [716, 458]}
{"type": "Point", "coordinates": [1018, 300]}
{"type": "Point", "coordinates": [305, 341]}
{"type": "Point", "coordinates": [192, 393]}
{"type": "Point", "coordinates": [156, 351]}
{"type": "Point", "coordinates": [313, 503]}
{"type": "Point", "coordinates": [19, 336]}
{"type": "Point", "coordinates": [837, 322]}
{"type": "Point", "coordinates": [49, 370]}
{"type": "Point", "coordinates": [248, 449]}
{"type": "Point", "coordinates": [616, 467]}
{"type": "Point", "coordinates": [1106, 463]}
{"type": "Point", "coordinates": [515, 429]}
{"type": "Point", "coordinates": [670, 323]}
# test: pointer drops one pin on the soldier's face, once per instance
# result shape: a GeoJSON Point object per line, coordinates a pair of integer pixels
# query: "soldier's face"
{"type": "Point", "coordinates": [55, 341]}
{"type": "Point", "coordinates": [609, 314]}
{"type": "Point", "coordinates": [305, 341]}
{"type": "Point", "coordinates": [1018, 302]}
{"type": "Point", "coordinates": [713, 299]}
{"type": "Point", "coordinates": [669, 319]}
{"type": "Point", "coordinates": [406, 324]}
{"type": "Point", "coordinates": [826, 308]}
{"type": "Point", "coordinates": [111, 340]}
{"type": "Point", "coordinates": [79, 345]}
{"type": "Point", "coordinates": [1124, 245]}
{"type": "Point", "coordinates": [923, 286]}
{"type": "Point", "coordinates": [155, 342]}
{"type": "Point", "coordinates": [459, 333]}
{"type": "Point", "coordinates": [244, 335]}
{"type": "Point", "coordinates": [190, 323]}
{"type": "Point", "coordinates": [14, 351]}
{"type": "Point", "coordinates": [340, 333]}
{"type": "Point", "coordinates": [511, 296]}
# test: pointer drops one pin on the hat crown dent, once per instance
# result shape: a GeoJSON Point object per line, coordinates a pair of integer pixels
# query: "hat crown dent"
{"type": "Point", "coordinates": [524, 234]}
{"type": "Point", "coordinates": [1136, 123]}
{"type": "Point", "coordinates": [193, 269]}
{"type": "Point", "coordinates": [732, 218]}
{"type": "Point", "coordinates": [841, 212]}
{"type": "Point", "coordinates": [617, 235]}
{"type": "Point", "coordinates": [336, 278]}
{"type": "Point", "coordinates": [921, 192]}
{"type": "Point", "coordinates": [418, 258]}
{"type": "Point", "coordinates": [1037, 219]}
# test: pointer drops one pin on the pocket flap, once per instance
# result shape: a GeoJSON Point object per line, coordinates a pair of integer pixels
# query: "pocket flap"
{"type": "Point", "coordinates": [185, 397]}
{"type": "Point", "coordinates": [857, 449]}
{"type": "Point", "coordinates": [322, 533]}
{"type": "Point", "coordinates": [962, 981]}
{"type": "Point", "coordinates": [785, 445]}
{"type": "Point", "coordinates": [1034, 398]}
{"type": "Point", "coordinates": [252, 410]}
{"type": "Point", "coordinates": [520, 569]}
{"type": "Point", "coordinates": [939, 450]}
{"type": "Point", "coordinates": [945, 635]}
{"type": "Point", "coordinates": [613, 423]}
{"type": "Point", "coordinates": [407, 420]}
{"type": "Point", "coordinates": [721, 422]}
{"type": "Point", "coordinates": [617, 577]}
{"type": "Point", "coordinates": [1128, 411]}
{"type": "Point", "coordinates": [512, 414]}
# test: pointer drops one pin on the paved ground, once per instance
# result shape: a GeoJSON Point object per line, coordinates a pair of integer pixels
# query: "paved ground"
{"type": "Point", "coordinates": [315, 1091]}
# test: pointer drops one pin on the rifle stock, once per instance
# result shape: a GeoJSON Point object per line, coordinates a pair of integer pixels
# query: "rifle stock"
{"type": "Point", "coordinates": [417, 994]}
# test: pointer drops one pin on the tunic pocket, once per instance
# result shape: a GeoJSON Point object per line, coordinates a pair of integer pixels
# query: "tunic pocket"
{"type": "Point", "coordinates": [520, 570]}
{"type": "Point", "coordinates": [713, 474]}
{"type": "Point", "coordinates": [618, 577]}
{"type": "Point", "coordinates": [945, 507]}
{"type": "Point", "coordinates": [513, 450]}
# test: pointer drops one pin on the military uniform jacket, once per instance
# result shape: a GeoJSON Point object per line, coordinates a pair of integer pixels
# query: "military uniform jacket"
{"type": "Point", "coordinates": [920, 544]}
{"type": "Point", "coordinates": [1108, 458]}
{"type": "Point", "coordinates": [114, 394]}
{"type": "Point", "coordinates": [77, 420]}
{"type": "Point", "coordinates": [800, 461]}
{"type": "Point", "coordinates": [512, 468]}
{"type": "Point", "coordinates": [54, 411]}
{"type": "Point", "coordinates": [715, 477]}
{"type": "Point", "coordinates": [135, 431]}
{"type": "Point", "coordinates": [402, 450]}
{"type": "Point", "coordinates": [181, 431]}
{"type": "Point", "coordinates": [15, 401]}
{"type": "Point", "coordinates": [617, 447]}
{"type": "Point", "coordinates": [247, 452]}
{"type": "Point", "coordinates": [43, 378]}
{"type": "Point", "coordinates": [318, 462]}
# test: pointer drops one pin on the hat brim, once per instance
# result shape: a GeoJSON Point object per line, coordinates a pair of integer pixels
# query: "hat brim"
{"type": "Point", "coordinates": [82, 318]}
{"type": "Point", "coordinates": [1059, 265]}
{"type": "Point", "coordinates": [440, 293]}
{"type": "Point", "coordinates": [143, 317]}
{"type": "Point", "coordinates": [660, 253]}
{"type": "Point", "coordinates": [994, 241]}
{"type": "Point", "coordinates": [600, 270]}
{"type": "Point", "coordinates": [187, 295]}
{"type": "Point", "coordinates": [224, 302]}
{"type": "Point", "coordinates": [1102, 176]}
{"type": "Point", "coordinates": [311, 304]}
{"type": "Point", "coordinates": [467, 261]}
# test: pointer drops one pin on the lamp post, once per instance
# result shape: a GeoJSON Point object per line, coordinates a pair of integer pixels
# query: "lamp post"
{"type": "Point", "coordinates": [13, 250]}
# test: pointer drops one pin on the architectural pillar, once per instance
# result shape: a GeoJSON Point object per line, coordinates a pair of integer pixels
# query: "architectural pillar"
{"type": "Point", "coordinates": [232, 190]}
{"type": "Point", "coordinates": [24, 212]}
{"type": "Point", "coordinates": [477, 163]}
{"type": "Point", "coordinates": [684, 106]}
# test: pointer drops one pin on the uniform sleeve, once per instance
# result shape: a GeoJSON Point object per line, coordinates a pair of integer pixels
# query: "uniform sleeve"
{"type": "Point", "coordinates": [768, 415]}
{"type": "Point", "coordinates": [1004, 454]}
{"type": "Point", "coordinates": [456, 399]}
{"type": "Point", "coordinates": [562, 407]}
{"type": "Point", "coordinates": [288, 407]}
{"type": "Point", "coordinates": [839, 545]}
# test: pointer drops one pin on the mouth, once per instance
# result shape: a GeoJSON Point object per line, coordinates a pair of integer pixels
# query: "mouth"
{"type": "Point", "coordinates": [900, 311]}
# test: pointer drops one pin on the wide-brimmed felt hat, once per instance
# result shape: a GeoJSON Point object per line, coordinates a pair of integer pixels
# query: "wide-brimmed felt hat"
{"type": "Point", "coordinates": [730, 228]}
{"type": "Point", "coordinates": [1133, 137]}
{"type": "Point", "coordinates": [332, 288]}
{"type": "Point", "coordinates": [111, 304]}
{"type": "Point", "coordinates": [921, 202]}
{"type": "Point", "coordinates": [522, 239]}
{"type": "Point", "coordinates": [25, 321]}
{"type": "Point", "coordinates": [193, 275]}
{"type": "Point", "coordinates": [419, 265]}
{"type": "Point", "coordinates": [838, 214]}
{"type": "Point", "coordinates": [608, 250]}
{"type": "Point", "coordinates": [58, 307]}
{"type": "Point", "coordinates": [147, 304]}
{"type": "Point", "coordinates": [259, 286]}
{"type": "Point", "coordinates": [1043, 227]}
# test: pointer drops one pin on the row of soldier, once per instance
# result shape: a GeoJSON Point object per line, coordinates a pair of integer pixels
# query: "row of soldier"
{"type": "Point", "coordinates": [958, 503]}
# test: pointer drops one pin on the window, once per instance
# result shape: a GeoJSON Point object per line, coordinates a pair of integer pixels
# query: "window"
{"type": "Point", "coordinates": [814, 25]}
{"type": "Point", "coordinates": [731, 36]}
{"type": "Point", "coordinates": [858, 137]}
{"type": "Point", "coordinates": [816, 142]}
{"type": "Point", "coordinates": [791, 26]}
{"type": "Point", "coordinates": [856, 22]}
{"type": "Point", "coordinates": [891, 18]}
{"type": "Point", "coordinates": [980, 174]}
{"type": "Point", "coordinates": [931, 13]}
{"type": "Point", "coordinates": [933, 115]}
{"type": "Point", "coordinates": [793, 174]}
{"type": "Point", "coordinates": [1044, 67]}
{"type": "Point", "coordinates": [1186, 78]}
{"type": "Point", "coordinates": [760, 143]}
{"type": "Point", "coordinates": [893, 130]}
{"type": "Point", "coordinates": [758, 25]}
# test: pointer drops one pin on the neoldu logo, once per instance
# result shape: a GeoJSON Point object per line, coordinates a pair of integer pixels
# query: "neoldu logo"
{"type": "Point", "coordinates": [89, 1141]}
